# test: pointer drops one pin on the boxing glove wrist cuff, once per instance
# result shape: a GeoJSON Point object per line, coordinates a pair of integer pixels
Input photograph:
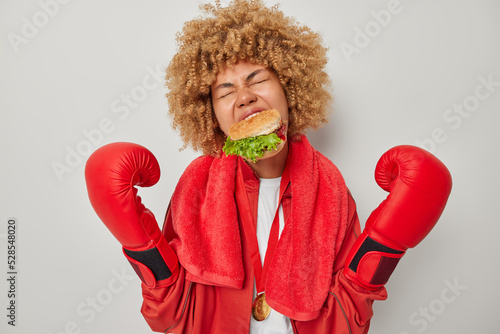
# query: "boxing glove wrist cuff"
{"type": "Point", "coordinates": [371, 263]}
{"type": "Point", "coordinates": [156, 264]}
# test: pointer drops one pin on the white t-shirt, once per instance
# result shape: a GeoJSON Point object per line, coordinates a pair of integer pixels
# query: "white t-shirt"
{"type": "Point", "coordinates": [269, 192]}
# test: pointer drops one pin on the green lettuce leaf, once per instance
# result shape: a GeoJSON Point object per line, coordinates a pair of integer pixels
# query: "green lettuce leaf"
{"type": "Point", "coordinates": [253, 147]}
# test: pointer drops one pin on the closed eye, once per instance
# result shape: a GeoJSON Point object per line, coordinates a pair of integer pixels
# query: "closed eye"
{"type": "Point", "coordinates": [259, 81]}
{"type": "Point", "coordinates": [225, 95]}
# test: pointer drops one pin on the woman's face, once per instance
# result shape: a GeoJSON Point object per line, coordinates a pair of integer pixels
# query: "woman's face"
{"type": "Point", "coordinates": [245, 89]}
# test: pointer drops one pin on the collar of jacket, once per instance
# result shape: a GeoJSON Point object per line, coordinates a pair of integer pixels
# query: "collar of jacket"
{"type": "Point", "coordinates": [252, 184]}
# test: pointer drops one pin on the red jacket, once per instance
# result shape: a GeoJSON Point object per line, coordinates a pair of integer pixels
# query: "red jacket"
{"type": "Point", "coordinates": [189, 307]}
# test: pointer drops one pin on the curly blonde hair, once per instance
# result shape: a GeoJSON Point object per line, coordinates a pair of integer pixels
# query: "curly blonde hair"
{"type": "Point", "coordinates": [244, 30]}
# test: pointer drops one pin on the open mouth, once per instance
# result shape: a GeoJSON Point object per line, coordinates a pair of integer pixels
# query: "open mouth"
{"type": "Point", "coordinates": [252, 113]}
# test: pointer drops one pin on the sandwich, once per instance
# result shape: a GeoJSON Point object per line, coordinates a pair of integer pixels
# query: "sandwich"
{"type": "Point", "coordinates": [259, 136]}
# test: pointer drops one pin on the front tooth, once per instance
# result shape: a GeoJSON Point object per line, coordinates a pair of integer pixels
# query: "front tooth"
{"type": "Point", "coordinates": [252, 115]}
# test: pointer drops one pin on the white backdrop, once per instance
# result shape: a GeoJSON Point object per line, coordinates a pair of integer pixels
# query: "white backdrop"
{"type": "Point", "coordinates": [76, 75]}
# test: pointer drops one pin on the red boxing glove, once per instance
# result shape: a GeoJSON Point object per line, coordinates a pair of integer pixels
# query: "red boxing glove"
{"type": "Point", "coordinates": [418, 185]}
{"type": "Point", "coordinates": [111, 173]}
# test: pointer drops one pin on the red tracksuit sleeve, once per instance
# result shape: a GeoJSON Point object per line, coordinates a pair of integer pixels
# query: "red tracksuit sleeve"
{"type": "Point", "coordinates": [348, 308]}
{"type": "Point", "coordinates": [165, 307]}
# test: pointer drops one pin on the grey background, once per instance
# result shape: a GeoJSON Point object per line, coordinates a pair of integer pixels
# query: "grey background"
{"type": "Point", "coordinates": [68, 77]}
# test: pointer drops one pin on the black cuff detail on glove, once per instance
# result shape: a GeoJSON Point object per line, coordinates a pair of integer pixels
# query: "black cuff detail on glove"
{"type": "Point", "coordinates": [152, 259]}
{"type": "Point", "coordinates": [370, 245]}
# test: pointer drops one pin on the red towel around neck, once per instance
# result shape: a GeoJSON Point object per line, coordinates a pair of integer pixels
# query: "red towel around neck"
{"type": "Point", "coordinates": [207, 237]}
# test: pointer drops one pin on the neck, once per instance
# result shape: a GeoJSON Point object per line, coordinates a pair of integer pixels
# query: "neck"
{"type": "Point", "coordinates": [271, 167]}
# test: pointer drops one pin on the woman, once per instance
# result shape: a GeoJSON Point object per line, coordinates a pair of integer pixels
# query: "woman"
{"type": "Point", "coordinates": [241, 59]}
{"type": "Point", "coordinates": [265, 246]}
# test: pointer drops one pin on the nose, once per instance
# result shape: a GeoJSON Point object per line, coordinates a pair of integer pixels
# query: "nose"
{"type": "Point", "coordinates": [245, 97]}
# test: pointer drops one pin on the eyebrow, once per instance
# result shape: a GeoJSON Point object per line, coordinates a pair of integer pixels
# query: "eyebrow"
{"type": "Point", "coordinates": [248, 78]}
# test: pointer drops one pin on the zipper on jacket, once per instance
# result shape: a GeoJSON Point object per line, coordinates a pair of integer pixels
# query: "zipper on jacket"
{"type": "Point", "coordinates": [183, 309]}
{"type": "Point", "coordinates": [343, 312]}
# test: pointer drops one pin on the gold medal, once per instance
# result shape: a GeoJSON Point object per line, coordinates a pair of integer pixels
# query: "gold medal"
{"type": "Point", "coordinates": [260, 308]}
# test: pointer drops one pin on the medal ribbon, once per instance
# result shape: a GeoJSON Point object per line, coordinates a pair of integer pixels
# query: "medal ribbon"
{"type": "Point", "coordinates": [260, 271]}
